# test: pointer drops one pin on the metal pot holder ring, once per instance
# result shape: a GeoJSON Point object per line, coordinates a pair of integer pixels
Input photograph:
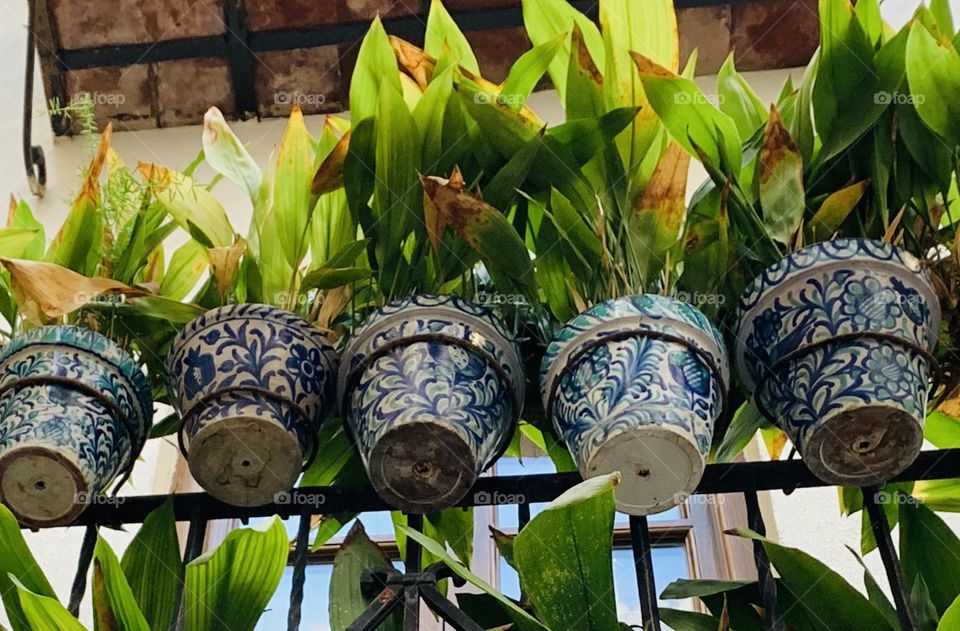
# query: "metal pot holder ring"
{"type": "Point", "coordinates": [63, 382]}
{"type": "Point", "coordinates": [312, 423]}
{"type": "Point", "coordinates": [618, 336]}
{"type": "Point", "coordinates": [441, 338]}
{"type": "Point", "coordinates": [770, 372]}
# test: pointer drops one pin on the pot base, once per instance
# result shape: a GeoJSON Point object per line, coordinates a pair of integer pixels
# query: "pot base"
{"type": "Point", "coordinates": [245, 461]}
{"type": "Point", "coordinates": [422, 467]}
{"type": "Point", "coordinates": [865, 446]}
{"type": "Point", "coordinates": [659, 468]}
{"type": "Point", "coordinates": [41, 487]}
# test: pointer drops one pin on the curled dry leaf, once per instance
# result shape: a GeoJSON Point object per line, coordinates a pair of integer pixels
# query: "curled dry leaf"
{"type": "Point", "coordinates": [329, 177]}
{"type": "Point", "coordinates": [664, 198]}
{"type": "Point", "coordinates": [333, 304]}
{"type": "Point", "coordinates": [223, 264]}
{"type": "Point", "coordinates": [45, 291]}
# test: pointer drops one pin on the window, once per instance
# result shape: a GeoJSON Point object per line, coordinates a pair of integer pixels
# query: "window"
{"type": "Point", "coordinates": [688, 543]}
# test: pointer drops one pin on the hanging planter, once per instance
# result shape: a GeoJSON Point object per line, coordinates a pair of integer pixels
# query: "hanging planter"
{"type": "Point", "coordinates": [636, 385]}
{"type": "Point", "coordinates": [251, 383]}
{"type": "Point", "coordinates": [431, 388]}
{"type": "Point", "coordinates": [75, 410]}
{"type": "Point", "coordinates": [835, 344]}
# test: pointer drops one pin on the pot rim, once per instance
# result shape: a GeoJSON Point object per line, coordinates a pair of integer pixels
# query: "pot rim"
{"type": "Point", "coordinates": [553, 368]}
{"type": "Point", "coordinates": [824, 256]}
{"type": "Point", "coordinates": [125, 364]}
{"type": "Point", "coordinates": [249, 311]}
{"type": "Point", "coordinates": [487, 326]}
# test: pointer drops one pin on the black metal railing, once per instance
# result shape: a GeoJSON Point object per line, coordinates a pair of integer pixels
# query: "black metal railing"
{"type": "Point", "coordinates": [406, 590]}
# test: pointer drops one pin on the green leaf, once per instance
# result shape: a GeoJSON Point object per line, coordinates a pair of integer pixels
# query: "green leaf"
{"type": "Point", "coordinates": [819, 589]}
{"type": "Point", "coordinates": [113, 597]}
{"type": "Point", "coordinates": [21, 217]}
{"type": "Point", "coordinates": [397, 200]}
{"type": "Point", "coordinates": [929, 549]}
{"type": "Point", "coordinates": [868, 12]}
{"type": "Point", "coordinates": [933, 72]}
{"type": "Point", "coordinates": [330, 278]}
{"type": "Point", "coordinates": [224, 152]}
{"type": "Point", "coordinates": [951, 617]}
{"type": "Point", "coordinates": [43, 613]}
{"type": "Point", "coordinates": [548, 444]}
{"type": "Point", "coordinates": [527, 71]}
{"type": "Point", "coordinates": [521, 620]}
{"type": "Point", "coordinates": [781, 181]}
{"type": "Point", "coordinates": [165, 426]}
{"type": "Point", "coordinates": [14, 242]}
{"type": "Point", "coordinates": [584, 83]}
{"type": "Point", "coordinates": [875, 594]}
{"type": "Point", "coordinates": [688, 620]}
{"type": "Point", "coordinates": [942, 430]}
{"type": "Point", "coordinates": [545, 19]}
{"type": "Point", "coordinates": [153, 567]}
{"type": "Point", "coordinates": [738, 100]}
{"type": "Point", "coordinates": [587, 137]}
{"type": "Point", "coordinates": [834, 211]}
{"type": "Point", "coordinates": [356, 555]}
{"type": "Point", "coordinates": [938, 495]}
{"type": "Point", "coordinates": [564, 558]}
{"type": "Point", "coordinates": [943, 15]}
{"type": "Point", "coordinates": [924, 614]}
{"type": "Point", "coordinates": [187, 266]}
{"type": "Point", "coordinates": [292, 200]}
{"type": "Point", "coordinates": [430, 114]}
{"type": "Point", "coordinates": [228, 588]}
{"type": "Point", "coordinates": [844, 62]}
{"type": "Point", "coordinates": [165, 309]}
{"type": "Point", "coordinates": [443, 32]}
{"type": "Point", "coordinates": [17, 562]}
{"type": "Point", "coordinates": [376, 66]}
{"type": "Point", "coordinates": [747, 420]}
{"type": "Point", "coordinates": [648, 29]}
{"type": "Point", "coordinates": [689, 117]}
{"type": "Point", "coordinates": [193, 207]}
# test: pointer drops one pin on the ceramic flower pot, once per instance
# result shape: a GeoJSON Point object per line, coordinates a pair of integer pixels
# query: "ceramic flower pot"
{"type": "Point", "coordinates": [75, 410]}
{"type": "Point", "coordinates": [834, 343]}
{"type": "Point", "coordinates": [431, 388]}
{"type": "Point", "coordinates": [636, 385]}
{"type": "Point", "coordinates": [251, 384]}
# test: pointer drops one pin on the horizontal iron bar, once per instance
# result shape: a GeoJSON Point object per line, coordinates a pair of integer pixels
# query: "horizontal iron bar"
{"type": "Point", "coordinates": [516, 489]}
{"type": "Point", "coordinates": [408, 27]}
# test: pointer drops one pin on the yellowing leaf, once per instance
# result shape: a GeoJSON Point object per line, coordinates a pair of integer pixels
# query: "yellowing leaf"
{"type": "Point", "coordinates": [781, 181]}
{"type": "Point", "coordinates": [45, 291]}
{"type": "Point", "coordinates": [191, 206]}
{"type": "Point", "coordinates": [226, 154]}
{"type": "Point", "coordinates": [835, 209]}
{"type": "Point", "coordinates": [665, 196]}
{"type": "Point", "coordinates": [443, 31]}
{"type": "Point", "coordinates": [187, 265]}
{"type": "Point", "coordinates": [329, 177]}
{"type": "Point", "coordinates": [292, 200]}
{"type": "Point", "coordinates": [223, 264]}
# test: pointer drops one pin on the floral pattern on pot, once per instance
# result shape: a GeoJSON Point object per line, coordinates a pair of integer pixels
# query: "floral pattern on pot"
{"type": "Point", "coordinates": [252, 360]}
{"type": "Point", "coordinates": [626, 370]}
{"type": "Point", "coordinates": [831, 343]}
{"type": "Point", "coordinates": [437, 365]}
{"type": "Point", "coordinates": [69, 396]}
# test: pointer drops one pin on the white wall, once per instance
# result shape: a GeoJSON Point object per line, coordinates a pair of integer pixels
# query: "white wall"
{"type": "Point", "coordinates": [808, 519]}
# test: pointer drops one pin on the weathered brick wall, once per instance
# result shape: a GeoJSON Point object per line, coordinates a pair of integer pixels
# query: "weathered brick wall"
{"type": "Point", "coordinates": [764, 34]}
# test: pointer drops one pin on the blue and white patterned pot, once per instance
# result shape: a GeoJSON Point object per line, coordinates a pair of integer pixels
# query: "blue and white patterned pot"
{"type": "Point", "coordinates": [834, 343]}
{"type": "Point", "coordinates": [636, 385]}
{"type": "Point", "coordinates": [251, 383]}
{"type": "Point", "coordinates": [431, 388]}
{"type": "Point", "coordinates": [75, 410]}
